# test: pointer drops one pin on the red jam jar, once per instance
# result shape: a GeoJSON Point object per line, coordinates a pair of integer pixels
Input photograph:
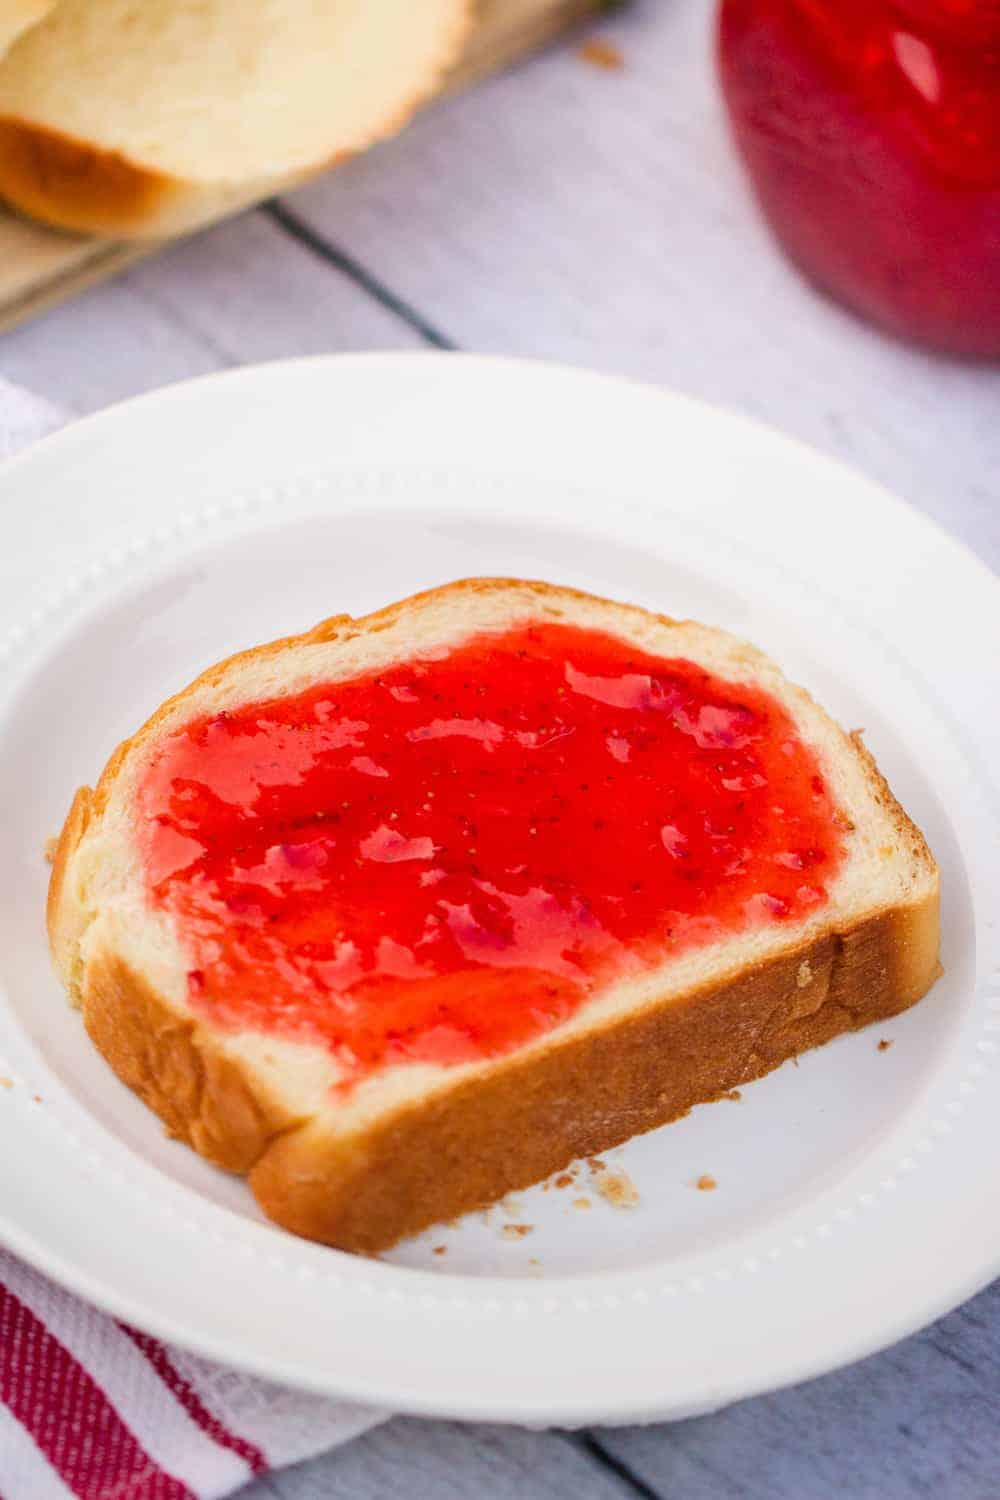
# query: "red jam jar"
{"type": "Point", "coordinates": [871, 129]}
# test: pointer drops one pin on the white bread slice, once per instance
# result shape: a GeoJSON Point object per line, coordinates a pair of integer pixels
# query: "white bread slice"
{"type": "Point", "coordinates": [17, 15]}
{"type": "Point", "coordinates": [146, 117]}
{"type": "Point", "coordinates": [416, 1143]}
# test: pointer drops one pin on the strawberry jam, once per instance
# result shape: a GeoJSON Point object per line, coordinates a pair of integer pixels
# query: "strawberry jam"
{"type": "Point", "coordinates": [442, 860]}
{"type": "Point", "coordinates": [871, 129]}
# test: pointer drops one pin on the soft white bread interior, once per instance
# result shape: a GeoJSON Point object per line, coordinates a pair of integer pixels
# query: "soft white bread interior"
{"type": "Point", "coordinates": [416, 1142]}
{"type": "Point", "coordinates": [143, 117]}
{"type": "Point", "coordinates": [17, 15]}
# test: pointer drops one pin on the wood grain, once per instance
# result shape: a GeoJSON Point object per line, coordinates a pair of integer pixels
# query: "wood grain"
{"type": "Point", "coordinates": [242, 291]}
{"type": "Point", "coordinates": [413, 1460]}
{"type": "Point", "coordinates": [922, 1419]}
{"type": "Point", "coordinates": [40, 267]}
{"type": "Point", "coordinates": [598, 219]}
{"type": "Point", "coordinates": [410, 1460]}
{"type": "Point", "coordinates": [601, 219]}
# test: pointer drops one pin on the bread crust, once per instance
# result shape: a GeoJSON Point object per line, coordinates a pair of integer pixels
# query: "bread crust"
{"type": "Point", "coordinates": [76, 185]}
{"type": "Point", "coordinates": [345, 627]}
{"type": "Point", "coordinates": [17, 16]}
{"type": "Point", "coordinates": [470, 1142]}
{"type": "Point", "coordinates": [532, 1116]}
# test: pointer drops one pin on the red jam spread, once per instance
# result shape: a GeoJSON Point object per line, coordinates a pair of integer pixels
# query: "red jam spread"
{"type": "Point", "coordinates": [872, 132]}
{"type": "Point", "coordinates": [440, 861]}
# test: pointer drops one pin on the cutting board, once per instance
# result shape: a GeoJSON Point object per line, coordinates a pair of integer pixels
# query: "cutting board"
{"type": "Point", "coordinates": [40, 267]}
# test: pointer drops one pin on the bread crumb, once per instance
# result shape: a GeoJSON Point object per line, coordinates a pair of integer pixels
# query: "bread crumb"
{"type": "Point", "coordinates": [884, 1044]}
{"type": "Point", "coordinates": [440, 1249]}
{"type": "Point", "coordinates": [6, 1083]}
{"type": "Point", "coordinates": [37, 1099]}
{"type": "Point", "coordinates": [706, 1183]}
{"type": "Point", "coordinates": [595, 1164]}
{"type": "Point", "coordinates": [734, 1095]}
{"type": "Point", "coordinates": [510, 1207]}
{"type": "Point", "coordinates": [51, 845]}
{"type": "Point", "coordinates": [581, 1202]}
{"type": "Point", "coordinates": [805, 974]}
{"type": "Point", "coordinates": [533, 1260]}
{"type": "Point", "coordinates": [516, 1231]}
{"type": "Point", "coordinates": [565, 1180]}
{"type": "Point", "coordinates": [617, 1188]}
{"type": "Point", "coordinates": [601, 53]}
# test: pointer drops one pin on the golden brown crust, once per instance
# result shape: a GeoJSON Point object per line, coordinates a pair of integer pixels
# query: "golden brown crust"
{"type": "Point", "coordinates": [469, 1143]}
{"type": "Point", "coordinates": [73, 185]}
{"type": "Point", "coordinates": [76, 185]}
{"type": "Point", "coordinates": [179, 1068]}
{"type": "Point", "coordinates": [908, 831]}
{"type": "Point", "coordinates": [64, 915]}
{"type": "Point", "coordinates": [17, 15]}
{"type": "Point", "coordinates": [473, 1143]}
{"type": "Point", "coordinates": [338, 627]}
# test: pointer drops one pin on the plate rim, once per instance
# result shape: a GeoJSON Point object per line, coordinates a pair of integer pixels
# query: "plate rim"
{"type": "Point", "coordinates": [409, 1400]}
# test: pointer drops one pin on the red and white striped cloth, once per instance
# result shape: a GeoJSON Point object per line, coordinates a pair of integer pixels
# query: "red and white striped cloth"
{"type": "Point", "coordinates": [92, 1409]}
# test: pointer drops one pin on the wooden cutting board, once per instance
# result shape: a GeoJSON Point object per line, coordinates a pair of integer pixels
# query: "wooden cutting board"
{"type": "Point", "coordinates": [40, 267]}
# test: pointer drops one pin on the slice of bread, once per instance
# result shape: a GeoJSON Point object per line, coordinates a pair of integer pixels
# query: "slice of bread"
{"type": "Point", "coordinates": [147, 118]}
{"type": "Point", "coordinates": [717, 988]}
{"type": "Point", "coordinates": [17, 15]}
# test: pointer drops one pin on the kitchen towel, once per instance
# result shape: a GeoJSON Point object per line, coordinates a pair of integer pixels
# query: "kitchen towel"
{"type": "Point", "coordinates": [97, 1410]}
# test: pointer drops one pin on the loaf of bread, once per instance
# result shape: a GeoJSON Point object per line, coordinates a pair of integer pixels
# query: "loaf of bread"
{"type": "Point", "coordinates": [17, 15]}
{"type": "Point", "coordinates": [146, 119]}
{"type": "Point", "coordinates": [412, 910]}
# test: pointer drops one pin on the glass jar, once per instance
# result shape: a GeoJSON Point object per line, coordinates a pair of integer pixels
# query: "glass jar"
{"type": "Point", "coordinates": [871, 130]}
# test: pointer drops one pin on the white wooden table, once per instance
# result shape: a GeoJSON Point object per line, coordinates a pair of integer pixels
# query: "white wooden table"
{"type": "Point", "coordinates": [597, 218]}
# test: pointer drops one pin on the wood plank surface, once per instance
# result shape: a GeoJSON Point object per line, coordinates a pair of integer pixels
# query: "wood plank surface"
{"type": "Point", "coordinates": [598, 218]}
{"type": "Point", "coordinates": [40, 268]}
{"type": "Point", "coordinates": [413, 1460]}
{"type": "Point", "coordinates": [240, 292]}
{"type": "Point", "coordinates": [921, 1420]}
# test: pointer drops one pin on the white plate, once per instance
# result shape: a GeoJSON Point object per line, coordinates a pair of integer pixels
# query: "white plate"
{"type": "Point", "coordinates": [857, 1193]}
